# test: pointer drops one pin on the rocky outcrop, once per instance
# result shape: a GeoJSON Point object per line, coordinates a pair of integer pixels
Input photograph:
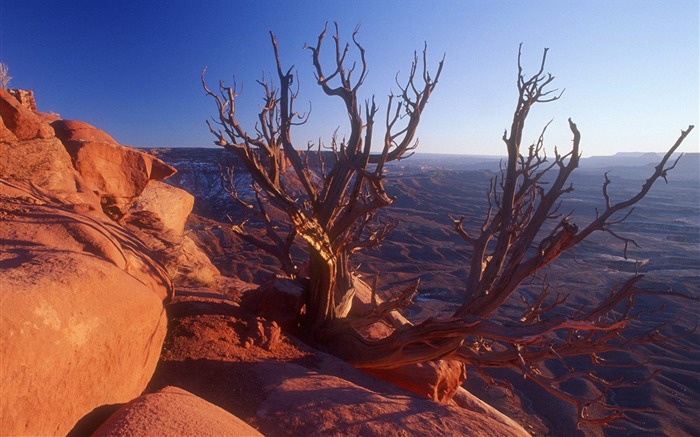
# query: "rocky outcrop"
{"type": "Point", "coordinates": [30, 152]}
{"type": "Point", "coordinates": [82, 314]}
{"type": "Point", "coordinates": [299, 401]}
{"type": "Point", "coordinates": [170, 412]}
{"type": "Point", "coordinates": [73, 160]}
{"type": "Point", "coordinates": [158, 216]}
{"type": "Point", "coordinates": [117, 174]}
{"type": "Point", "coordinates": [22, 121]}
{"type": "Point", "coordinates": [25, 98]}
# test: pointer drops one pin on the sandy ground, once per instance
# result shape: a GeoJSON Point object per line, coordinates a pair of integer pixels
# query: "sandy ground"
{"type": "Point", "coordinates": [204, 351]}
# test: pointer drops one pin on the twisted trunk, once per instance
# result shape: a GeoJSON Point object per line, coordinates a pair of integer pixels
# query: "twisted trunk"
{"type": "Point", "coordinates": [320, 299]}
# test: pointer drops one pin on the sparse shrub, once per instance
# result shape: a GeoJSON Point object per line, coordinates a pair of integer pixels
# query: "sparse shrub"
{"type": "Point", "coordinates": [5, 77]}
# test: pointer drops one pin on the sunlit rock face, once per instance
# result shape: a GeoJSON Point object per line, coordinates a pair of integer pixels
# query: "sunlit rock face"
{"type": "Point", "coordinates": [170, 204]}
{"type": "Point", "coordinates": [117, 174]}
{"type": "Point", "coordinates": [82, 312]}
{"type": "Point", "coordinates": [74, 160]}
{"type": "Point", "coordinates": [23, 122]}
{"type": "Point", "coordinates": [29, 151]}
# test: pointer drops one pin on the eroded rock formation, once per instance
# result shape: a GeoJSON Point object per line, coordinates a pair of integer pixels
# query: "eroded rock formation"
{"type": "Point", "coordinates": [82, 312]}
{"type": "Point", "coordinates": [116, 173]}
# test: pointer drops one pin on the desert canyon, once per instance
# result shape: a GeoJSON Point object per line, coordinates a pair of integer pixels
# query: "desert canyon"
{"type": "Point", "coordinates": [128, 307]}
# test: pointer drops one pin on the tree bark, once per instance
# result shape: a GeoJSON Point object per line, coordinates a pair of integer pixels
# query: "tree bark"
{"type": "Point", "coordinates": [320, 303]}
{"type": "Point", "coordinates": [344, 285]}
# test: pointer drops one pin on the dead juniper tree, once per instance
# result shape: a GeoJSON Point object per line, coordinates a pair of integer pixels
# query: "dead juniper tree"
{"type": "Point", "coordinates": [524, 232]}
{"type": "Point", "coordinates": [335, 201]}
{"type": "Point", "coordinates": [328, 199]}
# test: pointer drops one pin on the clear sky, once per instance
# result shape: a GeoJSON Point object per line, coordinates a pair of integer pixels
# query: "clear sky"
{"type": "Point", "coordinates": [630, 68]}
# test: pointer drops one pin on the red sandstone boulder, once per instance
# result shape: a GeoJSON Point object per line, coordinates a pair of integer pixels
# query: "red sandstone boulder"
{"type": "Point", "coordinates": [158, 218]}
{"type": "Point", "coordinates": [437, 380]}
{"type": "Point", "coordinates": [170, 204]}
{"type": "Point", "coordinates": [82, 314]}
{"type": "Point", "coordinates": [300, 401]}
{"type": "Point", "coordinates": [78, 131]}
{"type": "Point", "coordinates": [20, 120]}
{"type": "Point", "coordinates": [118, 174]}
{"type": "Point", "coordinates": [172, 412]}
{"type": "Point", "coordinates": [6, 135]}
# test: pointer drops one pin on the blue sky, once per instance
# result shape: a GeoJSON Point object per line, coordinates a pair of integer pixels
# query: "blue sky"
{"type": "Point", "coordinates": [630, 68]}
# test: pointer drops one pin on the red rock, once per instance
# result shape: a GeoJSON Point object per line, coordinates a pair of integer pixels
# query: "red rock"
{"type": "Point", "coordinates": [278, 300]}
{"type": "Point", "coordinates": [25, 98]}
{"type": "Point", "coordinates": [22, 121]}
{"type": "Point", "coordinates": [48, 117]}
{"type": "Point", "coordinates": [173, 412]}
{"type": "Point", "coordinates": [82, 314]}
{"type": "Point", "coordinates": [301, 401]}
{"type": "Point", "coordinates": [170, 204]}
{"type": "Point", "coordinates": [6, 135]}
{"type": "Point", "coordinates": [45, 163]}
{"type": "Point", "coordinates": [436, 380]}
{"type": "Point", "coordinates": [75, 130]}
{"type": "Point", "coordinates": [118, 174]}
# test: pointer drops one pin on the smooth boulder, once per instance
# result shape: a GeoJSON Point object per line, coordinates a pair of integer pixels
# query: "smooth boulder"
{"type": "Point", "coordinates": [301, 401]}
{"type": "Point", "coordinates": [170, 412]}
{"type": "Point", "coordinates": [82, 313]}
{"type": "Point", "coordinates": [170, 204]}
